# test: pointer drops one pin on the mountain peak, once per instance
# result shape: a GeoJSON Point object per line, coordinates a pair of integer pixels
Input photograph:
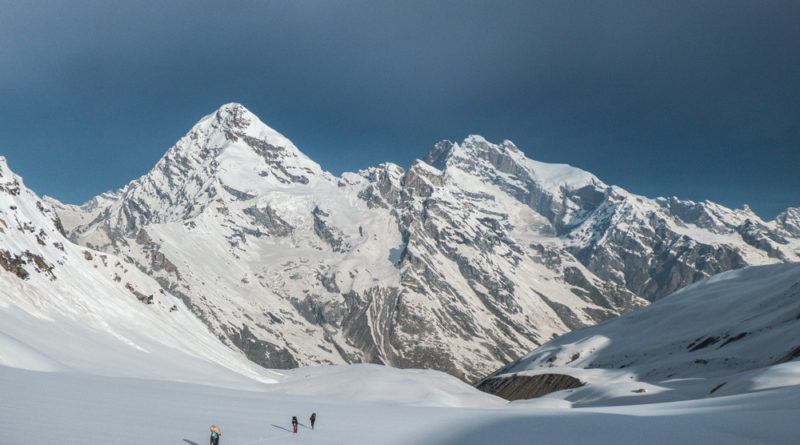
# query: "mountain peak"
{"type": "Point", "coordinates": [232, 139]}
{"type": "Point", "coordinates": [475, 139]}
{"type": "Point", "coordinates": [472, 145]}
{"type": "Point", "coordinates": [233, 107]}
{"type": "Point", "coordinates": [233, 120]}
{"type": "Point", "coordinates": [478, 155]}
{"type": "Point", "coordinates": [478, 144]}
{"type": "Point", "coordinates": [229, 152]}
{"type": "Point", "coordinates": [234, 115]}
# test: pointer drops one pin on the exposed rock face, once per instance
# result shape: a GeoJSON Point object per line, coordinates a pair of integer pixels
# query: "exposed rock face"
{"type": "Point", "coordinates": [789, 222]}
{"type": "Point", "coordinates": [463, 262]}
{"type": "Point", "coordinates": [518, 387]}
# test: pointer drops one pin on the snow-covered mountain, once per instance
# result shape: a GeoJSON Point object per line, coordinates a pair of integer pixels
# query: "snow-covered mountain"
{"type": "Point", "coordinates": [465, 261]}
{"type": "Point", "coordinates": [732, 333]}
{"type": "Point", "coordinates": [61, 303]}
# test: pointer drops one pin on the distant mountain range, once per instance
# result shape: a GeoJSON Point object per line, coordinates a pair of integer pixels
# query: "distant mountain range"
{"type": "Point", "coordinates": [464, 262]}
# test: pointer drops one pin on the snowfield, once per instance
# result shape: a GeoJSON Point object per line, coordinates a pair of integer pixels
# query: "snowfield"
{"type": "Point", "coordinates": [67, 383]}
{"type": "Point", "coordinates": [79, 408]}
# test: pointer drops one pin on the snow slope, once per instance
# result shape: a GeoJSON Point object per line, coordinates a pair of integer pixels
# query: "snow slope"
{"type": "Point", "coordinates": [76, 408]}
{"type": "Point", "coordinates": [60, 303]}
{"type": "Point", "coordinates": [355, 404]}
{"type": "Point", "coordinates": [733, 333]}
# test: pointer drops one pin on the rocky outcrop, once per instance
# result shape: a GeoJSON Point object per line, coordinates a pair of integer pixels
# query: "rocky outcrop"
{"type": "Point", "coordinates": [789, 222]}
{"type": "Point", "coordinates": [520, 387]}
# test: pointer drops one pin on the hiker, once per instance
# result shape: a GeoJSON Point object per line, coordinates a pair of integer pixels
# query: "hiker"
{"type": "Point", "coordinates": [313, 419]}
{"type": "Point", "coordinates": [215, 435]}
{"type": "Point", "coordinates": [294, 424]}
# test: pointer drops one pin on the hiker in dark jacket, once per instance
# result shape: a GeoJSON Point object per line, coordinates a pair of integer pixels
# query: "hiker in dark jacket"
{"type": "Point", "coordinates": [313, 419]}
{"type": "Point", "coordinates": [294, 424]}
{"type": "Point", "coordinates": [214, 435]}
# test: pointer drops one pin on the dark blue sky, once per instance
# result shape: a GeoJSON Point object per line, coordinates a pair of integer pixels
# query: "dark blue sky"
{"type": "Point", "coordinates": [695, 99]}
